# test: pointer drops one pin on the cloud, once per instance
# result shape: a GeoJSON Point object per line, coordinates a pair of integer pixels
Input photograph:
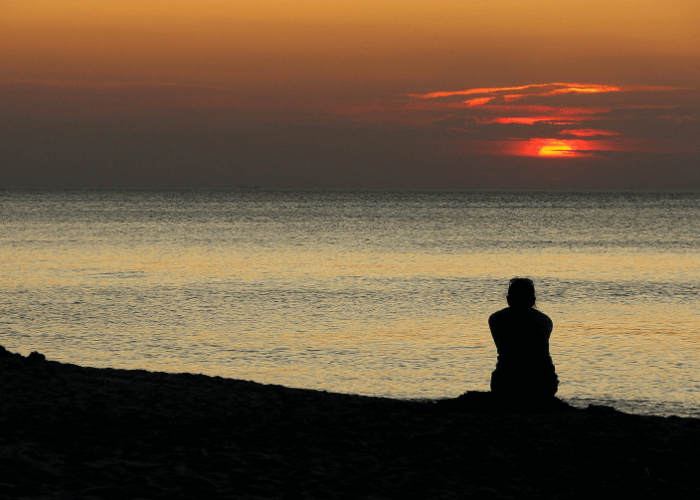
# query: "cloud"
{"type": "Point", "coordinates": [567, 119]}
{"type": "Point", "coordinates": [158, 134]}
{"type": "Point", "coordinates": [542, 89]}
{"type": "Point", "coordinates": [589, 132]}
{"type": "Point", "coordinates": [479, 101]}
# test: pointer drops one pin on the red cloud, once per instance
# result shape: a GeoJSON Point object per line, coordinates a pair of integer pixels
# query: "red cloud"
{"type": "Point", "coordinates": [589, 132]}
{"type": "Point", "coordinates": [479, 101]}
{"type": "Point", "coordinates": [491, 106]}
{"type": "Point", "coordinates": [543, 89]}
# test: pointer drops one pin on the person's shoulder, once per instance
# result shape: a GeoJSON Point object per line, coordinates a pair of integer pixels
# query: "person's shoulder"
{"type": "Point", "coordinates": [542, 317]}
{"type": "Point", "coordinates": [540, 314]}
{"type": "Point", "coordinates": [499, 315]}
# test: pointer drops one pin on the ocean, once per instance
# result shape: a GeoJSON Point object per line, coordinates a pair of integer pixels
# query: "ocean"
{"type": "Point", "coordinates": [381, 293]}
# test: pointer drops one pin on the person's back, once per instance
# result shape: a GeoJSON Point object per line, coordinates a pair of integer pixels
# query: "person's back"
{"type": "Point", "coordinates": [521, 334]}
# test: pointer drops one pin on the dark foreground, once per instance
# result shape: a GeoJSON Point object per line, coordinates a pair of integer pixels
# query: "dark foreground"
{"type": "Point", "coordinates": [73, 432]}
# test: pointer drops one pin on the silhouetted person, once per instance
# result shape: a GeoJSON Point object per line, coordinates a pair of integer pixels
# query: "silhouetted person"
{"type": "Point", "coordinates": [521, 333]}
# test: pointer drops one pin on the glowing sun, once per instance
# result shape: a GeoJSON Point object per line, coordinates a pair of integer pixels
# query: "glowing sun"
{"type": "Point", "coordinates": [555, 148]}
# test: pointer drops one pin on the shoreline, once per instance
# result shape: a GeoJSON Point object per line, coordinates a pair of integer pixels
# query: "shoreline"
{"type": "Point", "coordinates": [633, 406]}
{"type": "Point", "coordinates": [68, 431]}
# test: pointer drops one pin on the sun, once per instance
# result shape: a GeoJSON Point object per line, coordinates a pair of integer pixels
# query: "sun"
{"type": "Point", "coordinates": [555, 148]}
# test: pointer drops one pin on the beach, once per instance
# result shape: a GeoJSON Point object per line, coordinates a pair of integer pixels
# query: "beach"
{"type": "Point", "coordinates": [68, 431]}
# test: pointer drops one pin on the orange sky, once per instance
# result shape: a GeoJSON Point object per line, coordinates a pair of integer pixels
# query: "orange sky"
{"type": "Point", "coordinates": [235, 41]}
{"type": "Point", "coordinates": [384, 83]}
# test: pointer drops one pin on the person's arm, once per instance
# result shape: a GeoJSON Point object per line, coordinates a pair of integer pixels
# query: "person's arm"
{"type": "Point", "coordinates": [550, 325]}
{"type": "Point", "coordinates": [494, 329]}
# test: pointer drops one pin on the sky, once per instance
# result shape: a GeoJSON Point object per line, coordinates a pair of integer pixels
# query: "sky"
{"type": "Point", "coordinates": [382, 94]}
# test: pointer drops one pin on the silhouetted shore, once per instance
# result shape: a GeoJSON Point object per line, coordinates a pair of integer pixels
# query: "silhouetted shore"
{"type": "Point", "coordinates": [73, 432]}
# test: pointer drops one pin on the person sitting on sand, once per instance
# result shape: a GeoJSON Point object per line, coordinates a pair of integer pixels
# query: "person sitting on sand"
{"type": "Point", "coordinates": [521, 334]}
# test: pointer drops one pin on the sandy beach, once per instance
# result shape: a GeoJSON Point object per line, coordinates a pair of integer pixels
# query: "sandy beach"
{"type": "Point", "coordinates": [74, 432]}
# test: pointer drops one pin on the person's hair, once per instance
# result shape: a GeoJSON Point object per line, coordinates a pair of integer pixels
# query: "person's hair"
{"type": "Point", "coordinates": [521, 293]}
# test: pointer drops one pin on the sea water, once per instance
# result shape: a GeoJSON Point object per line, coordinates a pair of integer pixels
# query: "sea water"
{"type": "Point", "coordinates": [368, 292]}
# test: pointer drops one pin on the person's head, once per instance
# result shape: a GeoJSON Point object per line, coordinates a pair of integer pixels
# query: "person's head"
{"type": "Point", "coordinates": [521, 293]}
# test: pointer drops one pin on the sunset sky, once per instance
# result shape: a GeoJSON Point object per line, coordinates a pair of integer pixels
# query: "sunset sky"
{"type": "Point", "coordinates": [504, 94]}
